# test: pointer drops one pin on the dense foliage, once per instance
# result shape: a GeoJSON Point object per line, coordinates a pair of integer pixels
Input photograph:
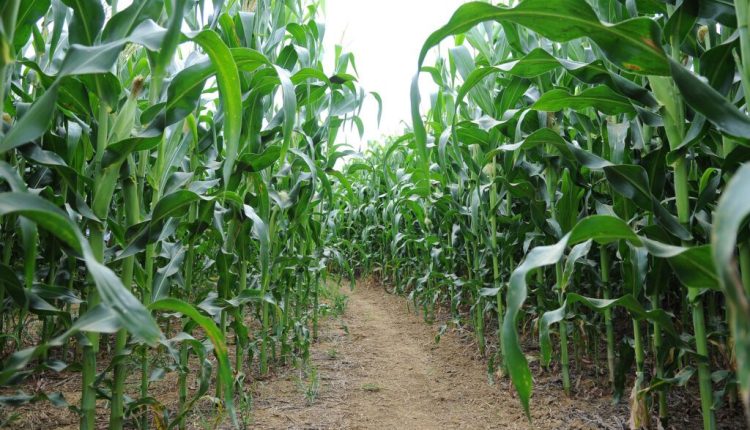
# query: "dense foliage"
{"type": "Point", "coordinates": [591, 155]}
{"type": "Point", "coordinates": [164, 170]}
{"type": "Point", "coordinates": [168, 189]}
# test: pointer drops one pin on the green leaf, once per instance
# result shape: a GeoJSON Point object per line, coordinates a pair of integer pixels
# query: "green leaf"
{"type": "Point", "coordinates": [681, 22]}
{"type": "Point", "coordinates": [175, 256]}
{"type": "Point", "coordinates": [132, 314]}
{"type": "Point", "coordinates": [515, 359]}
{"type": "Point", "coordinates": [632, 45]}
{"type": "Point", "coordinates": [88, 18]}
{"type": "Point", "coordinates": [601, 98]}
{"type": "Point", "coordinates": [258, 162]}
{"type": "Point", "coordinates": [29, 12]}
{"type": "Point", "coordinates": [185, 91]}
{"type": "Point", "coordinates": [249, 60]}
{"type": "Point", "coordinates": [289, 106]}
{"type": "Point", "coordinates": [117, 152]}
{"type": "Point", "coordinates": [632, 182]}
{"type": "Point", "coordinates": [692, 265]}
{"type": "Point", "coordinates": [34, 123]}
{"type": "Point", "coordinates": [124, 22]}
{"type": "Point", "coordinates": [228, 79]}
{"type": "Point", "coordinates": [217, 338]}
{"type": "Point", "coordinates": [84, 60]}
{"type": "Point", "coordinates": [603, 229]}
{"type": "Point", "coordinates": [710, 103]}
{"type": "Point", "coordinates": [13, 286]}
{"type": "Point", "coordinates": [547, 136]}
{"type": "Point", "coordinates": [539, 61]}
{"type": "Point", "coordinates": [44, 214]}
{"type": "Point", "coordinates": [733, 209]}
{"type": "Point", "coordinates": [380, 104]}
{"type": "Point", "coordinates": [261, 232]}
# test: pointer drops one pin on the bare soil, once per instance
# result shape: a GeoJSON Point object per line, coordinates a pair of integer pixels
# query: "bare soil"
{"type": "Point", "coordinates": [380, 368]}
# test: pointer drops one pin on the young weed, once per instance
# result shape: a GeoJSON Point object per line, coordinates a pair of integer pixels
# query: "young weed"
{"type": "Point", "coordinates": [308, 382]}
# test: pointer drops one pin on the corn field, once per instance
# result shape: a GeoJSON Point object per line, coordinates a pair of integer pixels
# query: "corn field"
{"type": "Point", "coordinates": [174, 190]}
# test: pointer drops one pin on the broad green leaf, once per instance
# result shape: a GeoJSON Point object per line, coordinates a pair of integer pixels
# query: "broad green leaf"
{"type": "Point", "coordinates": [124, 22]}
{"type": "Point", "coordinates": [547, 136]}
{"type": "Point", "coordinates": [217, 338]}
{"type": "Point", "coordinates": [88, 18]}
{"type": "Point", "coordinates": [710, 103]}
{"type": "Point", "coordinates": [289, 101]}
{"type": "Point", "coordinates": [603, 229]}
{"type": "Point", "coordinates": [601, 98]}
{"type": "Point", "coordinates": [632, 45]}
{"type": "Point", "coordinates": [173, 204]}
{"type": "Point", "coordinates": [44, 214]}
{"type": "Point", "coordinates": [539, 61]}
{"type": "Point", "coordinates": [515, 359]}
{"type": "Point", "coordinates": [632, 182]}
{"type": "Point", "coordinates": [733, 209]}
{"type": "Point", "coordinates": [13, 286]}
{"type": "Point", "coordinates": [29, 12]}
{"type": "Point", "coordinates": [117, 152]}
{"type": "Point", "coordinates": [258, 162]}
{"type": "Point", "coordinates": [34, 123]}
{"type": "Point", "coordinates": [132, 314]}
{"type": "Point", "coordinates": [261, 232]}
{"type": "Point", "coordinates": [249, 60]}
{"type": "Point", "coordinates": [228, 79]}
{"type": "Point", "coordinates": [185, 91]}
{"type": "Point", "coordinates": [175, 256]}
{"type": "Point", "coordinates": [692, 265]}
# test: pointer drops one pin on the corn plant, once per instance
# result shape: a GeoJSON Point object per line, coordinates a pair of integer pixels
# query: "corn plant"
{"type": "Point", "coordinates": [589, 154]}
{"type": "Point", "coordinates": [168, 176]}
{"type": "Point", "coordinates": [165, 179]}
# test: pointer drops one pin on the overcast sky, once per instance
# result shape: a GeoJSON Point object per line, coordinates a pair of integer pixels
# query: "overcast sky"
{"type": "Point", "coordinates": [385, 37]}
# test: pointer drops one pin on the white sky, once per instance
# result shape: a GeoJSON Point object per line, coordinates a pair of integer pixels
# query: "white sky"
{"type": "Point", "coordinates": [385, 37]}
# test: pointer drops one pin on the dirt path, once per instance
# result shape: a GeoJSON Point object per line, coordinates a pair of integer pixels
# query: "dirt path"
{"type": "Point", "coordinates": [380, 368]}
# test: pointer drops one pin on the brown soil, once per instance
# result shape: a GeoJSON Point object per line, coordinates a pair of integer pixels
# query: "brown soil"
{"type": "Point", "coordinates": [380, 368]}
